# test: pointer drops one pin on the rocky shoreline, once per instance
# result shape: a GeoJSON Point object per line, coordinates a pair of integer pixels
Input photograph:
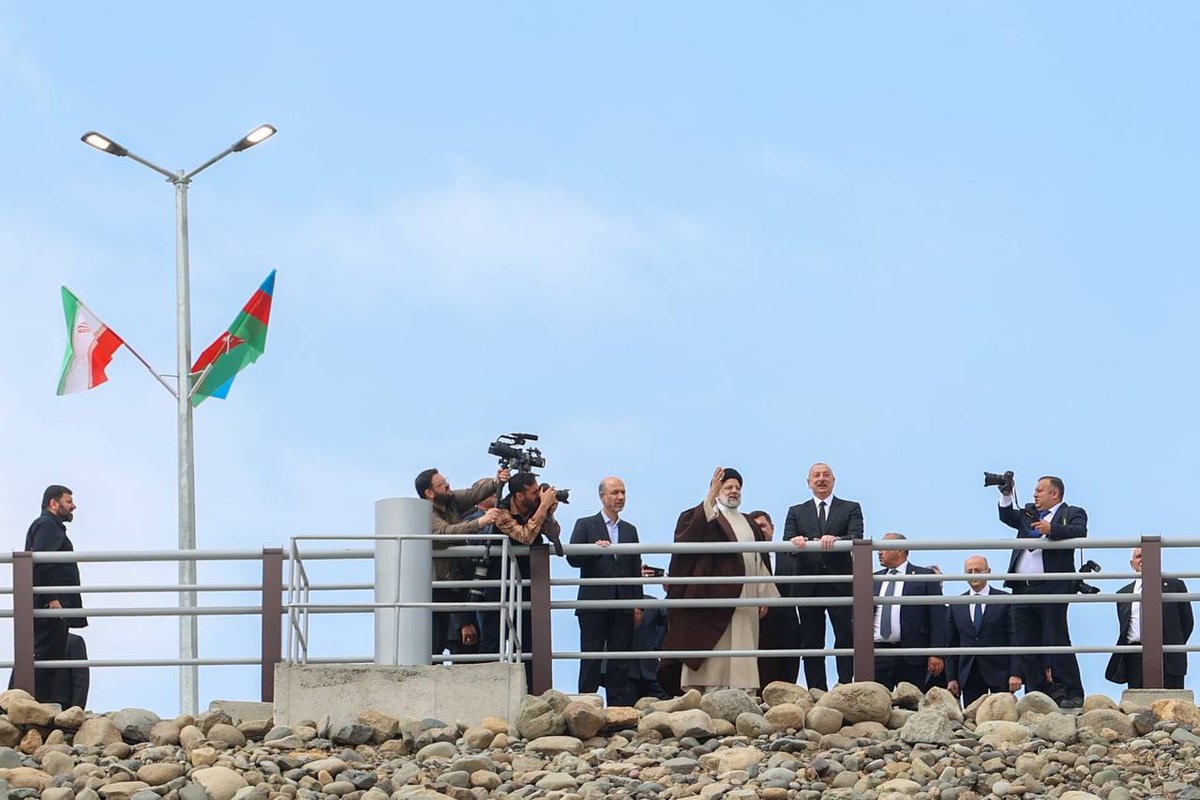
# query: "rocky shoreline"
{"type": "Point", "coordinates": [857, 742]}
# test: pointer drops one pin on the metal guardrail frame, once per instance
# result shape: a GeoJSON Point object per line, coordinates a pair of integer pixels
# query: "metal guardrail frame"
{"type": "Point", "coordinates": [298, 605]}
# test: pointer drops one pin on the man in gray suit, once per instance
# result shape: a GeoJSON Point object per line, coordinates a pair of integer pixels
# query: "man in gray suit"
{"type": "Point", "coordinates": [606, 629]}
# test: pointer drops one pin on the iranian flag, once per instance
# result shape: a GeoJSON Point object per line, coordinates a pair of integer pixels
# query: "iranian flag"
{"type": "Point", "coordinates": [90, 346]}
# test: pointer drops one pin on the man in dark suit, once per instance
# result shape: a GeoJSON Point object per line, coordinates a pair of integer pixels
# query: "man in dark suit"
{"type": "Point", "coordinates": [650, 626]}
{"type": "Point", "coordinates": [1177, 624]}
{"type": "Point", "coordinates": [825, 519]}
{"type": "Point", "coordinates": [980, 624]}
{"type": "Point", "coordinates": [907, 625]}
{"type": "Point", "coordinates": [602, 630]}
{"type": "Point", "coordinates": [780, 628]}
{"type": "Point", "coordinates": [1045, 624]}
{"type": "Point", "coordinates": [48, 534]}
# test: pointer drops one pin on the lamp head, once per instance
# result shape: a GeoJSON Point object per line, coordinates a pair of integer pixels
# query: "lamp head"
{"type": "Point", "coordinates": [103, 143]}
{"type": "Point", "coordinates": [259, 134]}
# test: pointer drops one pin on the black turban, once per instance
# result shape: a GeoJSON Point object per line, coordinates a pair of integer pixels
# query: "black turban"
{"type": "Point", "coordinates": [732, 474]}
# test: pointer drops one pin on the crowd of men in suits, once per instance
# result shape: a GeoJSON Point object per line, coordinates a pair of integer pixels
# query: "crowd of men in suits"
{"type": "Point", "coordinates": [813, 527]}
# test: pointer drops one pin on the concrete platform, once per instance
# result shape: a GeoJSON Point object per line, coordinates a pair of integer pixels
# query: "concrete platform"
{"type": "Point", "coordinates": [1148, 697]}
{"type": "Point", "coordinates": [466, 692]}
{"type": "Point", "coordinates": [243, 710]}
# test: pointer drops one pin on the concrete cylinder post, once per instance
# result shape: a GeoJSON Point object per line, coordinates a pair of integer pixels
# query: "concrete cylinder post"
{"type": "Point", "coordinates": [403, 574]}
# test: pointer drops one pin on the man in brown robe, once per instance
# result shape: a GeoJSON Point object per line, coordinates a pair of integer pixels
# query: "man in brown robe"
{"type": "Point", "coordinates": [716, 519]}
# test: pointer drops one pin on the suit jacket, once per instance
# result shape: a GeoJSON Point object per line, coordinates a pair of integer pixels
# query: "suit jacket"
{"type": "Point", "coordinates": [589, 530]}
{"type": "Point", "coordinates": [920, 626]}
{"type": "Point", "coordinates": [48, 534]}
{"type": "Point", "coordinates": [1069, 522]}
{"type": "Point", "coordinates": [1177, 629]}
{"type": "Point", "coordinates": [996, 630]}
{"type": "Point", "coordinates": [843, 519]}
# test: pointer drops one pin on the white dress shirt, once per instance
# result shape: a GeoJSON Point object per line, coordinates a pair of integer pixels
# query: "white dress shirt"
{"type": "Point", "coordinates": [1030, 561]}
{"type": "Point", "coordinates": [1135, 616]}
{"type": "Point", "coordinates": [890, 588]}
{"type": "Point", "coordinates": [971, 608]}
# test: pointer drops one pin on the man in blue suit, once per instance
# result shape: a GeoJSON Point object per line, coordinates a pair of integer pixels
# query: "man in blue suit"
{"type": "Point", "coordinates": [1045, 624]}
{"type": "Point", "coordinates": [606, 629]}
{"type": "Point", "coordinates": [907, 626]}
{"type": "Point", "coordinates": [980, 624]}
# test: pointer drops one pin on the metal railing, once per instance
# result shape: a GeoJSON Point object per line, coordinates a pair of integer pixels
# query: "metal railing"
{"type": "Point", "coordinates": [294, 603]}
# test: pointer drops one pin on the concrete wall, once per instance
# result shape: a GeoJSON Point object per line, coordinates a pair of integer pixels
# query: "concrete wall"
{"type": "Point", "coordinates": [464, 692]}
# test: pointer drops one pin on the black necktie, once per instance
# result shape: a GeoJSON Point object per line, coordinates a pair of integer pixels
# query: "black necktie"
{"type": "Point", "coordinates": [885, 621]}
{"type": "Point", "coordinates": [821, 516]}
{"type": "Point", "coordinates": [978, 616]}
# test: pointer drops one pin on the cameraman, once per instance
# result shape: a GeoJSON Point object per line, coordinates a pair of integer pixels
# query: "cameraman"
{"type": "Point", "coordinates": [1044, 624]}
{"type": "Point", "coordinates": [525, 516]}
{"type": "Point", "coordinates": [455, 630]}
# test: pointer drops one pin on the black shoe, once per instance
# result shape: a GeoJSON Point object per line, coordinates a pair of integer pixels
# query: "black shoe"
{"type": "Point", "coordinates": [1072, 702]}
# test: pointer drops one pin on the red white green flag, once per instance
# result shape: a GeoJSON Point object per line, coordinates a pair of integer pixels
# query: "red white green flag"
{"type": "Point", "coordinates": [235, 349]}
{"type": "Point", "coordinates": [90, 346]}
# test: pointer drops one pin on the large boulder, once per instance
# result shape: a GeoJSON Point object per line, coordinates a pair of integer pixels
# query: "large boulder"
{"type": "Point", "coordinates": [1001, 734]}
{"type": "Point", "coordinates": [787, 715]}
{"type": "Point", "coordinates": [30, 712]}
{"type": "Point", "coordinates": [97, 732]}
{"type": "Point", "coordinates": [1037, 702]}
{"type": "Point", "coordinates": [753, 724]}
{"type": "Point", "coordinates": [939, 699]}
{"type": "Point", "coordinates": [537, 718]}
{"type": "Point", "coordinates": [384, 726]}
{"type": "Point", "coordinates": [907, 695]}
{"type": "Point", "coordinates": [221, 783]}
{"type": "Point", "coordinates": [689, 699]}
{"type": "Point", "coordinates": [999, 706]}
{"type": "Point", "coordinates": [727, 704]}
{"type": "Point", "coordinates": [928, 727]}
{"type": "Point", "coordinates": [619, 718]}
{"type": "Point", "coordinates": [779, 692]}
{"type": "Point", "coordinates": [583, 720]}
{"type": "Point", "coordinates": [135, 724]}
{"type": "Point", "coordinates": [693, 722]}
{"type": "Point", "coordinates": [859, 702]}
{"type": "Point", "coordinates": [1177, 711]}
{"type": "Point", "coordinates": [823, 719]}
{"type": "Point", "coordinates": [1057, 728]}
{"type": "Point", "coordinates": [7, 697]}
{"type": "Point", "coordinates": [1102, 718]}
{"type": "Point", "coordinates": [553, 745]}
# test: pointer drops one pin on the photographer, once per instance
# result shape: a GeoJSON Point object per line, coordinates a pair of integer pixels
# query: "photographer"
{"type": "Point", "coordinates": [455, 631]}
{"type": "Point", "coordinates": [1044, 624]}
{"type": "Point", "coordinates": [525, 516]}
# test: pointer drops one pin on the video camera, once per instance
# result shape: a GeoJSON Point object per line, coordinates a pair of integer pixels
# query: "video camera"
{"type": "Point", "coordinates": [514, 456]}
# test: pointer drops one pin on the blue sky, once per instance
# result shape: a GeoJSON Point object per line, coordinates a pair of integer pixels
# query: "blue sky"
{"type": "Point", "coordinates": [916, 241]}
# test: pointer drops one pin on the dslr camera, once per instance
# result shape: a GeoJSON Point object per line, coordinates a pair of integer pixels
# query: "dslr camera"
{"type": "Point", "coordinates": [1080, 587]}
{"type": "Point", "coordinates": [1002, 479]}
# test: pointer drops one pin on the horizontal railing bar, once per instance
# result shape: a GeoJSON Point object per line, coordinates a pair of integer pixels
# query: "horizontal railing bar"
{"type": "Point", "coordinates": [175, 611]}
{"type": "Point", "coordinates": [150, 662]}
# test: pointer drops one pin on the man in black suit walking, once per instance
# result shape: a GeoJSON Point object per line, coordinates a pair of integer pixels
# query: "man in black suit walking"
{"type": "Point", "coordinates": [909, 625]}
{"type": "Point", "coordinates": [1177, 624]}
{"type": "Point", "coordinates": [826, 519]}
{"type": "Point", "coordinates": [603, 630]}
{"type": "Point", "coordinates": [980, 624]}
{"type": "Point", "coordinates": [1045, 624]}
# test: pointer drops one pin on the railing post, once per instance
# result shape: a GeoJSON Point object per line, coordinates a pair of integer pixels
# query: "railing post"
{"type": "Point", "coordinates": [1152, 613]}
{"type": "Point", "coordinates": [272, 618]}
{"type": "Point", "coordinates": [403, 574]}
{"type": "Point", "coordinates": [863, 590]}
{"type": "Point", "coordinates": [22, 674]}
{"type": "Point", "coordinates": [539, 605]}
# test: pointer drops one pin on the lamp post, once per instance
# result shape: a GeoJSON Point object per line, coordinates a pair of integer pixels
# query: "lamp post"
{"type": "Point", "coordinates": [189, 694]}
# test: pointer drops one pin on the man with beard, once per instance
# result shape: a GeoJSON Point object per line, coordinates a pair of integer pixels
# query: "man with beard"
{"type": "Point", "coordinates": [780, 629]}
{"type": "Point", "coordinates": [455, 631]}
{"type": "Point", "coordinates": [606, 629]}
{"type": "Point", "coordinates": [48, 534]}
{"type": "Point", "coordinates": [525, 516]}
{"type": "Point", "coordinates": [717, 519]}
{"type": "Point", "coordinates": [823, 520]}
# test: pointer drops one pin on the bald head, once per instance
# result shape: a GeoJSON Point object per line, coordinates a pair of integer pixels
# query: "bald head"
{"type": "Point", "coordinates": [976, 565]}
{"type": "Point", "coordinates": [612, 496]}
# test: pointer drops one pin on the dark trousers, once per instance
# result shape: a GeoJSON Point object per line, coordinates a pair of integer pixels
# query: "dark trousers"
{"type": "Point", "coordinates": [779, 630]}
{"type": "Point", "coordinates": [1135, 676]}
{"type": "Point", "coordinates": [892, 670]}
{"type": "Point", "coordinates": [1045, 624]}
{"type": "Point", "coordinates": [812, 635]}
{"type": "Point", "coordinates": [488, 623]}
{"type": "Point", "coordinates": [603, 632]}
{"type": "Point", "coordinates": [445, 633]}
{"type": "Point", "coordinates": [976, 687]}
{"type": "Point", "coordinates": [50, 644]}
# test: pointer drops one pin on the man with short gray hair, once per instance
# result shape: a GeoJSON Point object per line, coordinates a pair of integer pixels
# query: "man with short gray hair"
{"type": "Point", "coordinates": [606, 629]}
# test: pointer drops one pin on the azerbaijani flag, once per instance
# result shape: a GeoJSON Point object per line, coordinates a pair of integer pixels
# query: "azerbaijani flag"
{"type": "Point", "coordinates": [90, 346]}
{"type": "Point", "coordinates": [235, 349]}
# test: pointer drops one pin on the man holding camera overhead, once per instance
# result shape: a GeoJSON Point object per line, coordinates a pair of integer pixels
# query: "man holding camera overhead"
{"type": "Point", "coordinates": [455, 631]}
{"type": "Point", "coordinates": [1044, 624]}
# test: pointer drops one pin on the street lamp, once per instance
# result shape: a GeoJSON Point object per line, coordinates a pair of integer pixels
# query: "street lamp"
{"type": "Point", "coordinates": [189, 694]}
